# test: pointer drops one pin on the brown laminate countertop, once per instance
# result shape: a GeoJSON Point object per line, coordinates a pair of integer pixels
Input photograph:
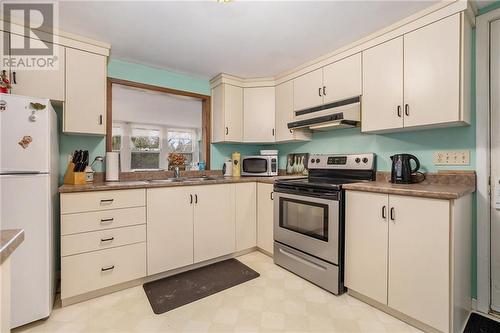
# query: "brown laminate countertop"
{"type": "Point", "coordinates": [132, 184]}
{"type": "Point", "coordinates": [9, 241]}
{"type": "Point", "coordinates": [438, 191]}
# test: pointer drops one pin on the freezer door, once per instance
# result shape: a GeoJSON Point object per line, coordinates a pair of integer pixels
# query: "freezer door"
{"type": "Point", "coordinates": [26, 203]}
{"type": "Point", "coordinates": [24, 135]}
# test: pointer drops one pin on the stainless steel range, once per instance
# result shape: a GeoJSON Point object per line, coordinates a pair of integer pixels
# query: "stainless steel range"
{"type": "Point", "coordinates": [309, 218]}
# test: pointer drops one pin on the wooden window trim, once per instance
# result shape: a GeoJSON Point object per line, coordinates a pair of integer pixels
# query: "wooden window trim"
{"type": "Point", "coordinates": [205, 106]}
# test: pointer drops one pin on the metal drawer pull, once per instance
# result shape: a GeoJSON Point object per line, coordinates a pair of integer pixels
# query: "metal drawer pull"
{"type": "Point", "coordinates": [104, 221]}
{"type": "Point", "coordinates": [107, 201]}
{"type": "Point", "coordinates": [110, 239]}
{"type": "Point", "coordinates": [109, 268]}
{"type": "Point", "coordinates": [303, 261]}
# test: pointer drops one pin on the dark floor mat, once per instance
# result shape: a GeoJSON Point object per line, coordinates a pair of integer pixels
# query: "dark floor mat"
{"type": "Point", "coordinates": [177, 290]}
{"type": "Point", "coordinates": [480, 324]}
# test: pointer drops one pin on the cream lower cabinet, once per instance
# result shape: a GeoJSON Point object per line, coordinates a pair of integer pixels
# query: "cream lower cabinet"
{"type": "Point", "coordinates": [103, 240]}
{"type": "Point", "coordinates": [265, 217]}
{"type": "Point", "coordinates": [214, 223]}
{"type": "Point", "coordinates": [85, 100]}
{"type": "Point", "coordinates": [169, 228]}
{"type": "Point", "coordinates": [408, 254]}
{"type": "Point", "coordinates": [245, 195]}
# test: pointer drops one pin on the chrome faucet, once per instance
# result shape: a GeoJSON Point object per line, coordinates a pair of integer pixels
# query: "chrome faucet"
{"type": "Point", "coordinates": [177, 173]}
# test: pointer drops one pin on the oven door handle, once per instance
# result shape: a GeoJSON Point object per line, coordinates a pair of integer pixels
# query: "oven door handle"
{"type": "Point", "coordinates": [303, 260]}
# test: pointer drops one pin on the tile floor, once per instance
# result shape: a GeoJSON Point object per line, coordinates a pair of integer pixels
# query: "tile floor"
{"type": "Point", "coordinates": [277, 301]}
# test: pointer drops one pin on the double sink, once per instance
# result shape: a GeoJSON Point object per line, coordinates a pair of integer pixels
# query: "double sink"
{"type": "Point", "coordinates": [185, 179]}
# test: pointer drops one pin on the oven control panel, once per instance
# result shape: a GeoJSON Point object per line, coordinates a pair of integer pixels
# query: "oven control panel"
{"type": "Point", "coordinates": [337, 161]}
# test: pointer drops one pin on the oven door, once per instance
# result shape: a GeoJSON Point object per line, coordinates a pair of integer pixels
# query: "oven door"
{"type": "Point", "coordinates": [309, 224]}
{"type": "Point", "coordinates": [255, 166]}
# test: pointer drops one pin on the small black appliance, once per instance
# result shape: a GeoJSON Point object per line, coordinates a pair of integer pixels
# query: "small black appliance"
{"type": "Point", "coordinates": [402, 172]}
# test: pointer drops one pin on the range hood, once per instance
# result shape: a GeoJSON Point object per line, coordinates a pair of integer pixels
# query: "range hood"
{"type": "Point", "coordinates": [340, 114]}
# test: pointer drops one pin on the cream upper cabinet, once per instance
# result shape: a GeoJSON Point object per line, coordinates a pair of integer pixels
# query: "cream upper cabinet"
{"type": "Point", "coordinates": [382, 106]}
{"type": "Point", "coordinates": [308, 90]}
{"type": "Point", "coordinates": [246, 215]}
{"type": "Point", "coordinates": [366, 236]}
{"type": "Point", "coordinates": [85, 102]}
{"type": "Point", "coordinates": [284, 115]}
{"type": "Point", "coordinates": [214, 222]}
{"type": "Point", "coordinates": [169, 228]}
{"type": "Point", "coordinates": [432, 73]}
{"type": "Point", "coordinates": [342, 79]}
{"type": "Point", "coordinates": [259, 114]}
{"type": "Point", "coordinates": [227, 113]}
{"type": "Point", "coordinates": [419, 80]}
{"type": "Point", "coordinates": [45, 83]}
{"type": "Point", "coordinates": [419, 259]}
{"type": "Point", "coordinates": [265, 216]}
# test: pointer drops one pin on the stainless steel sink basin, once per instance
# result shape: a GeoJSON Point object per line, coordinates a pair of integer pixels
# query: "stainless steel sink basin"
{"type": "Point", "coordinates": [185, 179]}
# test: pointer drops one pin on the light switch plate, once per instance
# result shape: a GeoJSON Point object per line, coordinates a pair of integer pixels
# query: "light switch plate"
{"type": "Point", "coordinates": [452, 157]}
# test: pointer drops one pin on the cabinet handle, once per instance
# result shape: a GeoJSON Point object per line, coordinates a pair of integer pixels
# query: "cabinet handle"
{"type": "Point", "coordinates": [227, 130]}
{"type": "Point", "coordinates": [383, 212]}
{"type": "Point", "coordinates": [196, 198]}
{"type": "Point", "coordinates": [14, 78]}
{"type": "Point", "coordinates": [105, 221]}
{"type": "Point", "coordinates": [392, 214]}
{"type": "Point", "coordinates": [319, 92]}
{"type": "Point", "coordinates": [100, 119]}
{"type": "Point", "coordinates": [399, 111]}
{"type": "Point", "coordinates": [107, 201]}
{"type": "Point", "coordinates": [407, 109]}
{"type": "Point", "coordinates": [272, 195]}
{"type": "Point", "coordinates": [273, 131]}
{"type": "Point", "coordinates": [110, 239]}
{"type": "Point", "coordinates": [324, 90]}
{"type": "Point", "coordinates": [109, 268]}
{"type": "Point", "coordinates": [190, 199]}
{"type": "Point", "coordinates": [291, 132]}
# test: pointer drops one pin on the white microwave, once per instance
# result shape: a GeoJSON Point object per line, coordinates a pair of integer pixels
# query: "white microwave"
{"type": "Point", "coordinates": [260, 165]}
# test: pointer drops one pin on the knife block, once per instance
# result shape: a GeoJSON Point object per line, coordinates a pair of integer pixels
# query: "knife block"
{"type": "Point", "coordinates": [74, 178]}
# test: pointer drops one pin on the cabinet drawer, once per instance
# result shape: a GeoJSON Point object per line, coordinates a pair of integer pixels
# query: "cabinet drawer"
{"type": "Point", "coordinates": [107, 219]}
{"type": "Point", "coordinates": [103, 239]}
{"type": "Point", "coordinates": [101, 200]}
{"type": "Point", "coordinates": [95, 270]}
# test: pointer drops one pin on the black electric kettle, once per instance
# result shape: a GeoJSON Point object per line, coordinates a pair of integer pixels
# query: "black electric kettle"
{"type": "Point", "coordinates": [402, 171]}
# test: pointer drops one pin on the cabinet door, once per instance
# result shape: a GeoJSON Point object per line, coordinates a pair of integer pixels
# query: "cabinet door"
{"type": "Point", "coordinates": [246, 215]}
{"type": "Point", "coordinates": [366, 236]}
{"type": "Point", "coordinates": [214, 223]}
{"type": "Point", "coordinates": [284, 115]}
{"type": "Point", "coordinates": [218, 124]}
{"type": "Point", "coordinates": [342, 79]}
{"type": "Point", "coordinates": [419, 256]}
{"type": "Point", "coordinates": [169, 228]}
{"type": "Point", "coordinates": [307, 90]}
{"type": "Point", "coordinates": [85, 104]}
{"type": "Point", "coordinates": [233, 113]}
{"type": "Point", "coordinates": [265, 216]}
{"type": "Point", "coordinates": [432, 73]}
{"type": "Point", "coordinates": [382, 107]}
{"type": "Point", "coordinates": [47, 83]}
{"type": "Point", "coordinates": [258, 114]}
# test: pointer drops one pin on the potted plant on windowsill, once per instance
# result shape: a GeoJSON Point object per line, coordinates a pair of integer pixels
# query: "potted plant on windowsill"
{"type": "Point", "coordinates": [176, 160]}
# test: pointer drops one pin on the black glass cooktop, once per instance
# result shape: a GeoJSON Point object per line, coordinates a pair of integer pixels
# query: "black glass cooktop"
{"type": "Point", "coordinates": [316, 182]}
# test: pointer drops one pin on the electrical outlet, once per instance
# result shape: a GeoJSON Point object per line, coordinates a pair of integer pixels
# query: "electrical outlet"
{"type": "Point", "coordinates": [455, 157]}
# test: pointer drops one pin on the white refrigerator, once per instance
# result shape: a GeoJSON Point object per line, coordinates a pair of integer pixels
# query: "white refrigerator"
{"type": "Point", "coordinates": [29, 157]}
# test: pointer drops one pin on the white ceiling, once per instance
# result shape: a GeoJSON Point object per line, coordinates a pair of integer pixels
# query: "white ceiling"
{"type": "Point", "coordinates": [248, 39]}
{"type": "Point", "coordinates": [154, 108]}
